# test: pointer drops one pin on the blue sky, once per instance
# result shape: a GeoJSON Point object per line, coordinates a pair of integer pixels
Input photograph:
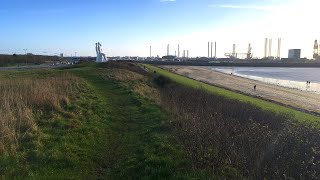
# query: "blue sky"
{"type": "Point", "coordinates": [129, 27]}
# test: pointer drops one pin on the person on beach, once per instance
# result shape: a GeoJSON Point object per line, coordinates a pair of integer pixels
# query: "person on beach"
{"type": "Point", "coordinates": [254, 87]}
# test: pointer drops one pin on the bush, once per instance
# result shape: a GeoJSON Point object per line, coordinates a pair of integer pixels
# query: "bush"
{"type": "Point", "coordinates": [161, 81]}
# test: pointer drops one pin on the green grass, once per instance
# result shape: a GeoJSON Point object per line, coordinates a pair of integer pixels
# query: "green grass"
{"type": "Point", "coordinates": [107, 132]}
{"type": "Point", "coordinates": [265, 105]}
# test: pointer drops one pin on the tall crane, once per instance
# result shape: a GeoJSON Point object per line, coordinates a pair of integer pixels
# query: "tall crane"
{"type": "Point", "coordinates": [249, 53]}
{"type": "Point", "coordinates": [232, 55]}
{"type": "Point", "coordinates": [235, 55]}
{"type": "Point", "coordinates": [316, 55]}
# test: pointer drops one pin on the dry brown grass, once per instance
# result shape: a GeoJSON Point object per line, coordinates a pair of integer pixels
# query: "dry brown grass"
{"type": "Point", "coordinates": [20, 99]}
{"type": "Point", "coordinates": [223, 135]}
{"type": "Point", "coordinates": [135, 80]}
{"type": "Point", "coordinates": [147, 92]}
{"type": "Point", "coordinates": [122, 75]}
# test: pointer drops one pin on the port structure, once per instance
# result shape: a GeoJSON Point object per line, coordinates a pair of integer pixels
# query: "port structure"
{"type": "Point", "coordinates": [316, 51]}
{"type": "Point", "coordinates": [234, 54]}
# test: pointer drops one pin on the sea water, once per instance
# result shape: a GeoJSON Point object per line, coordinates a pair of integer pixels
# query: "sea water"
{"type": "Point", "coordinates": [295, 78]}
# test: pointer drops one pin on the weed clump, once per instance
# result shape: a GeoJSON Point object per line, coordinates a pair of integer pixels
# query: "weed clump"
{"type": "Point", "coordinates": [161, 80]}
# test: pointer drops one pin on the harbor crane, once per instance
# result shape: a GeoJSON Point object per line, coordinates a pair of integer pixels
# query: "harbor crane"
{"type": "Point", "coordinates": [235, 55]}
{"type": "Point", "coordinates": [316, 53]}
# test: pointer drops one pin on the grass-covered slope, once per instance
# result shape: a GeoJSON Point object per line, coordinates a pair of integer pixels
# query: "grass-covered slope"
{"type": "Point", "coordinates": [238, 139]}
{"type": "Point", "coordinates": [265, 105]}
{"type": "Point", "coordinates": [118, 121]}
{"type": "Point", "coordinates": [104, 130]}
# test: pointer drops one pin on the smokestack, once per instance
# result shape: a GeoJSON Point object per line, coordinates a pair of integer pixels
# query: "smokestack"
{"type": "Point", "coordinates": [215, 49]}
{"type": "Point", "coordinates": [178, 50]}
{"type": "Point", "coordinates": [316, 47]}
{"type": "Point", "coordinates": [211, 49]}
{"type": "Point", "coordinates": [187, 53]}
{"type": "Point", "coordinates": [208, 49]}
{"type": "Point", "coordinates": [270, 47]}
{"type": "Point", "coordinates": [318, 50]}
{"type": "Point", "coordinates": [266, 48]}
{"type": "Point", "coordinates": [168, 50]}
{"type": "Point", "coordinates": [249, 53]}
{"type": "Point", "coordinates": [150, 51]}
{"type": "Point", "coordinates": [234, 50]}
{"type": "Point", "coordinates": [279, 49]}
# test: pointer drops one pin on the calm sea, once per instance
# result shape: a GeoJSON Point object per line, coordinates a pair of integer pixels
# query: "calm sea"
{"type": "Point", "coordinates": [288, 77]}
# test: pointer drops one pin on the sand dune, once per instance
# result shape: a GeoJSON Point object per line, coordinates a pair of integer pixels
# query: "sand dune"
{"type": "Point", "coordinates": [291, 97]}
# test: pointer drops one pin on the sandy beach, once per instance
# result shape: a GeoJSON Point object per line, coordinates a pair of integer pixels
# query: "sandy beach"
{"type": "Point", "coordinates": [291, 97]}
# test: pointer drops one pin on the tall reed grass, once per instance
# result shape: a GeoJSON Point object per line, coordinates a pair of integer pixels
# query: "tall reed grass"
{"type": "Point", "coordinates": [20, 101]}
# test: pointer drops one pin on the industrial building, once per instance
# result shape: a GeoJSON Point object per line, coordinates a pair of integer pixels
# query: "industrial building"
{"type": "Point", "coordinates": [270, 53]}
{"type": "Point", "coordinates": [294, 53]}
{"type": "Point", "coordinates": [169, 58]}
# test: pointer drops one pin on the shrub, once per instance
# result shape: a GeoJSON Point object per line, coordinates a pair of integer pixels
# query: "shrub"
{"type": "Point", "coordinates": [161, 80]}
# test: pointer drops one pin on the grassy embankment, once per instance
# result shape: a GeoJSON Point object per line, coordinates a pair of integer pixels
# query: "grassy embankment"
{"type": "Point", "coordinates": [265, 105]}
{"type": "Point", "coordinates": [84, 122]}
{"type": "Point", "coordinates": [116, 121]}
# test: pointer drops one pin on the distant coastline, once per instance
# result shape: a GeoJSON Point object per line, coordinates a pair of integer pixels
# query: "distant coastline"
{"type": "Point", "coordinates": [244, 64]}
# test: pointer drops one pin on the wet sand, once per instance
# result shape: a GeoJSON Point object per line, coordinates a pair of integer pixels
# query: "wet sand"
{"type": "Point", "coordinates": [290, 97]}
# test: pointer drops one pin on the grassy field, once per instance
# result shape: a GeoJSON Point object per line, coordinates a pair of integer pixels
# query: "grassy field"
{"type": "Point", "coordinates": [103, 128]}
{"type": "Point", "coordinates": [268, 106]}
{"type": "Point", "coordinates": [19, 98]}
{"type": "Point", "coordinates": [117, 121]}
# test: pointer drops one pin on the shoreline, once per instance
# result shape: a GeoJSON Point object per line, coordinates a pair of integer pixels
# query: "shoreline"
{"type": "Point", "coordinates": [270, 83]}
{"type": "Point", "coordinates": [234, 64]}
{"type": "Point", "coordinates": [287, 97]}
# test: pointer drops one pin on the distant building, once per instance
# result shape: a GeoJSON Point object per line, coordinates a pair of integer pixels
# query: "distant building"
{"type": "Point", "coordinates": [294, 53]}
{"type": "Point", "coordinates": [169, 58]}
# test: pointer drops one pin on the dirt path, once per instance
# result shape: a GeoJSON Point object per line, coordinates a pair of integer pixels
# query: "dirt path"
{"type": "Point", "coordinates": [291, 97]}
